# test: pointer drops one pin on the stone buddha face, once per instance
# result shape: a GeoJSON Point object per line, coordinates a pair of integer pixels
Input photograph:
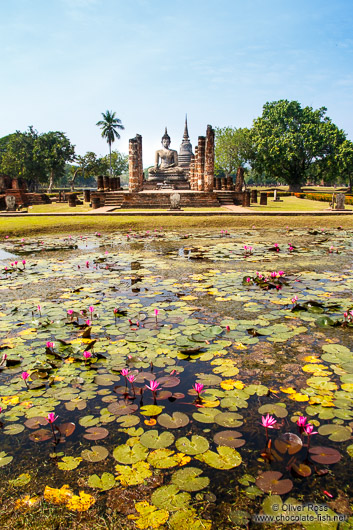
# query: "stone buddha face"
{"type": "Point", "coordinates": [166, 143]}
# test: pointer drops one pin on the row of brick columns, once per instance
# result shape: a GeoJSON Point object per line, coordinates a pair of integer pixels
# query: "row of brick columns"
{"type": "Point", "coordinates": [202, 164]}
{"type": "Point", "coordinates": [135, 164]}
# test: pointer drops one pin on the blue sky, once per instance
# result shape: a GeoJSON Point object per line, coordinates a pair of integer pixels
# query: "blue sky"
{"type": "Point", "coordinates": [63, 62]}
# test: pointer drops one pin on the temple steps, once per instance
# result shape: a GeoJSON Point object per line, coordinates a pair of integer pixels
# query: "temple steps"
{"type": "Point", "coordinates": [114, 198]}
{"type": "Point", "coordinates": [225, 197]}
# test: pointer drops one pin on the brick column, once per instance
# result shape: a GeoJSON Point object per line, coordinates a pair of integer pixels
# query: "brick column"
{"type": "Point", "coordinates": [139, 155]}
{"type": "Point", "coordinates": [192, 172]}
{"type": "Point", "coordinates": [133, 165]}
{"type": "Point", "coordinates": [239, 182]}
{"type": "Point", "coordinates": [200, 166]}
{"type": "Point", "coordinates": [209, 159]}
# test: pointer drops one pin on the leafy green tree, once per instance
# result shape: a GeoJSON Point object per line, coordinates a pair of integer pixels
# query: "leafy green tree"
{"type": "Point", "coordinates": [231, 149]}
{"type": "Point", "coordinates": [292, 143]}
{"type": "Point", "coordinates": [88, 165]}
{"type": "Point", "coordinates": [110, 125]}
{"type": "Point", "coordinates": [119, 163]}
{"type": "Point", "coordinates": [19, 159]}
{"type": "Point", "coordinates": [345, 161]}
{"type": "Point", "coordinates": [56, 150]}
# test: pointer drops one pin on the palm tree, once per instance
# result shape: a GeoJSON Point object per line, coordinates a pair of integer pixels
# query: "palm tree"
{"type": "Point", "coordinates": [109, 126]}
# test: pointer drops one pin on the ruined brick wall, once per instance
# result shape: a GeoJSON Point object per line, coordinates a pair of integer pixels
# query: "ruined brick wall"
{"type": "Point", "coordinates": [139, 155]}
{"type": "Point", "coordinates": [134, 166]}
{"type": "Point", "coordinates": [200, 165]}
{"type": "Point", "coordinates": [209, 159]}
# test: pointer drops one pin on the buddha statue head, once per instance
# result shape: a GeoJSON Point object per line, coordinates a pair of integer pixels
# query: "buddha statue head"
{"type": "Point", "coordinates": [166, 139]}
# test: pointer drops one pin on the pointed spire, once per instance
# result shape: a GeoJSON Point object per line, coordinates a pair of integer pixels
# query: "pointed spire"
{"type": "Point", "coordinates": [186, 132]}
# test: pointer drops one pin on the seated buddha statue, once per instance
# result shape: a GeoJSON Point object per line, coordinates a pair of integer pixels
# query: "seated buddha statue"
{"type": "Point", "coordinates": [166, 163]}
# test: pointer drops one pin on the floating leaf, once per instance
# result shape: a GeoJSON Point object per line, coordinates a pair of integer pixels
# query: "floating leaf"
{"type": "Point", "coordinates": [134, 475]}
{"type": "Point", "coordinates": [120, 408]}
{"type": "Point", "coordinates": [288, 442]}
{"type": "Point", "coordinates": [188, 520]}
{"type": "Point", "coordinates": [270, 482]}
{"type": "Point", "coordinates": [14, 428]}
{"type": "Point", "coordinates": [168, 381]}
{"type": "Point", "coordinates": [189, 479]}
{"type": "Point", "coordinates": [104, 483]}
{"type": "Point", "coordinates": [194, 446]}
{"type": "Point", "coordinates": [324, 455]}
{"type": "Point", "coordinates": [66, 429]}
{"type": "Point", "coordinates": [149, 516]}
{"type": "Point", "coordinates": [165, 458]}
{"type": "Point", "coordinates": [88, 421]}
{"type": "Point", "coordinates": [170, 498]}
{"type": "Point", "coordinates": [95, 454]}
{"type": "Point", "coordinates": [69, 462]}
{"type": "Point", "coordinates": [128, 421]}
{"type": "Point", "coordinates": [96, 433]}
{"type": "Point", "coordinates": [41, 435]}
{"type": "Point", "coordinates": [301, 469]}
{"type": "Point", "coordinates": [151, 410]}
{"type": "Point", "coordinates": [229, 439]}
{"type": "Point", "coordinates": [153, 440]}
{"type": "Point", "coordinates": [21, 480]}
{"type": "Point", "coordinates": [36, 422]}
{"type": "Point", "coordinates": [227, 458]}
{"type": "Point", "coordinates": [336, 433]}
{"type": "Point", "coordinates": [228, 419]}
{"type": "Point", "coordinates": [130, 455]}
{"type": "Point", "coordinates": [177, 420]}
{"type": "Point", "coordinates": [273, 408]}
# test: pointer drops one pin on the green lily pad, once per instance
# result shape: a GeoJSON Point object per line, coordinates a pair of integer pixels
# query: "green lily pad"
{"type": "Point", "coordinates": [229, 438]}
{"type": "Point", "coordinates": [189, 479]}
{"type": "Point", "coordinates": [21, 480]}
{"type": "Point", "coordinates": [194, 446]}
{"type": "Point", "coordinates": [96, 433]}
{"type": "Point", "coordinates": [120, 408]}
{"type": "Point", "coordinates": [163, 458]}
{"type": "Point", "coordinates": [228, 419]}
{"type": "Point", "coordinates": [170, 498]}
{"type": "Point", "coordinates": [153, 440]}
{"type": "Point", "coordinates": [124, 454]}
{"type": "Point", "coordinates": [103, 483]}
{"type": "Point", "coordinates": [14, 428]}
{"type": "Point", "coordinates": [205, 415]}
{"type": "Point", "coordinates": [151, 410]}
{"type": "Point", "coordinates": [177, 420]}
{"type": "Point", "coordinates": [4, 459]}
{"type": "Point", "coordinates": [336, 433]}
{"type": "Point", "coordinates": [273, 408]}
{"type": "Point", "coordinates": [225, 458]}
{"type": "Point", "coordinates": [134, 475]}
{"type": "Point", "coordinates": [69, 462]}
{"type": "Point", "coordinates": [95, 454]}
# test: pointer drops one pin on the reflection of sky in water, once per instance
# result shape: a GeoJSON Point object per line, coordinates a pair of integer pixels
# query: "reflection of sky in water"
{"type": "Point", "coordinates": [86, 245]}
{"type": "Point", "coordinates": [6, 255]}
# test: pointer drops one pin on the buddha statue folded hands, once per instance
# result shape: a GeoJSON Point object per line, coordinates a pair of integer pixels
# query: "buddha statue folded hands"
{"type": "Point", "coordinates": [166, 163]}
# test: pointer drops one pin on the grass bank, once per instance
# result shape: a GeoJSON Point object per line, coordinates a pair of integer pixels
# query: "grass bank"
{"type": "Point", "coordinates": [28, 226]}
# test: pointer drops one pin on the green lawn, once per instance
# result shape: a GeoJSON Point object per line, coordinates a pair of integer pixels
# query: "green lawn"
{"type": "Point", "coordinates": [291, 204]}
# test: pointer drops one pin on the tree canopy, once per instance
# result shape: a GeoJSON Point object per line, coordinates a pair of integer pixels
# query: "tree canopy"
{"type": "Point", "coordinates": [231, 149]}
{"type": "Point", "coordinates": [292, 143]}
{"type": "Point", "coordinates": [110, 126]}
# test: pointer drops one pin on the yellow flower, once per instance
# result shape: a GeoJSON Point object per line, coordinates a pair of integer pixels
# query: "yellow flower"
{"type": "Point", "coordinates": [81, 502]}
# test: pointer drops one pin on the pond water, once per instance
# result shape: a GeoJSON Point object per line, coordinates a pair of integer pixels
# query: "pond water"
{"type": "Point", "coordinates": [242, 333]}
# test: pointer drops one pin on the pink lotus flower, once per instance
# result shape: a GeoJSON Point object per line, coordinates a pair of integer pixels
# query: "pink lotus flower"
{"type": "Point", "coordinates": [25, 376]}
{"type": "Point", "coordinates": [268, 421]}
{"type": "Point", "coordinates": [156, 311]}
{"type": "Point", "coordinates": [227, 328]}
{"type": "Point", "coordinates": [87, 354]}
{"type": "Point", "coordinates": [91, 309]}
{"type": "Point", "coordinates": [153, 386]}
{"type": "Point", "coordinates": [87, 264]}
{"type": "Point", "coordinates": [70, 311]}
{"type": "Point", "coordinates": [24, 263]}
{"type": "Point", "coordinates": [198, 387]}
{"type": "Point", "coordinates": [248, 280]}
{"type": "Point", "coordinates": [115, 310]}
{"type": "Point", "coordinates": [88, 322]}
{"type": "Point", "coordinates": [125, 372]}
{"type": "Point", "coordinates": [0, 409]}
{"type": "Point", "coordinates": [131, 378]}
{"type": "Point", "coordinates": [51, 417]}
{"type": "Point", "coordinates": [301, 422]}
{"type": "Point", "coordinates": [309, 429]}
{"type": "Point", "coordinates": [294, 299]}
{"type": "Point", "coordinates": [39, 309]}
{"type": "Point", "coordinates": [50, 345]}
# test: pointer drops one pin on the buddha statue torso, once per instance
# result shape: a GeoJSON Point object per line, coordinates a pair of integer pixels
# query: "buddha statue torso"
{"type": "Point", "coordinates": [166, 162]}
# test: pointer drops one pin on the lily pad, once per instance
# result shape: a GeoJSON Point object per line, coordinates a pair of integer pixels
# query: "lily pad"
{"type": "Point", "coordinates": [124, 454]}
{"type": "Point", "coordinates": [151, 410]}
{"type": "Point", "coordinates": [120, 408]}
{"type": "Point", "coordinates": [4, 459]}
{"type": "Point", "coordinates": [229, 438]}
{"type": "Point", "coordinates": [95, 454]}
{"type": "Point", "coordinates": [134, 475]}
{"type": "Point", "coordinates": [153, 440]}
{"type": "Point", "coordinates": [69, 462]}
{"type": "Point", "coordinates": [177, 420]}
{"type": "Point", "coordinates": [324, 455]}
{"type": "Point", "coordinates": [164, 458]}
{"type": "Point", "coordinates": [170, 498]}
{"type": "Point", "coordinates": [195, 446]}
{"type": "Point", "coordinates": [273, 408]}
{"type": "Point", "coordinates": [336, 433]}
{"type": "Point", "coordinates": [225, 458]}
{"type": "Point", "coordinates": [270, 482]}
{"type": "Point", "coordinates": [288, 442]}
{"type": "Point", "coordinates": [228, 419]}
{"type": "Point", "coordinates": [104, 483]}
{"type": "Point", "coordinates": [96, 433]}
{"type": "Point", "coordinates": [189, 479]}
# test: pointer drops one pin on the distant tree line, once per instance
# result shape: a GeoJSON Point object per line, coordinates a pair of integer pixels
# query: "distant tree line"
{"type": "Point", "coordinates": [288, 144]}
{"type": "Point", "coordinates": [49, 159]}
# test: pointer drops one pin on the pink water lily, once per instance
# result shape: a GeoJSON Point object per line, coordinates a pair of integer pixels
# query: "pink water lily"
{"type": "Point", "coordinates": [51, 417]}
{"type": "Point", "coordinates": [70, 311]}
{"type": "Point", "coordinates": [309, 429]}
{"type": "Point", "coordinates": [50, 345]}
{"type": "Point", "coordinates": [25, 376]}
{"type": "Point", "coordinates": [153, 386]}
{"type": "Point", "coordinates": [88, 322]}
{"type": "Point", "coordinates": [268, 421]}
{"type": "Point", "coordinates": [125, 372]}
{"type": "Point", "coordinates": [198, 387]}
{"type": "Point", "coordinates": [87, 354]}
{"type": "Point", "coordinates": [301, 422]}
